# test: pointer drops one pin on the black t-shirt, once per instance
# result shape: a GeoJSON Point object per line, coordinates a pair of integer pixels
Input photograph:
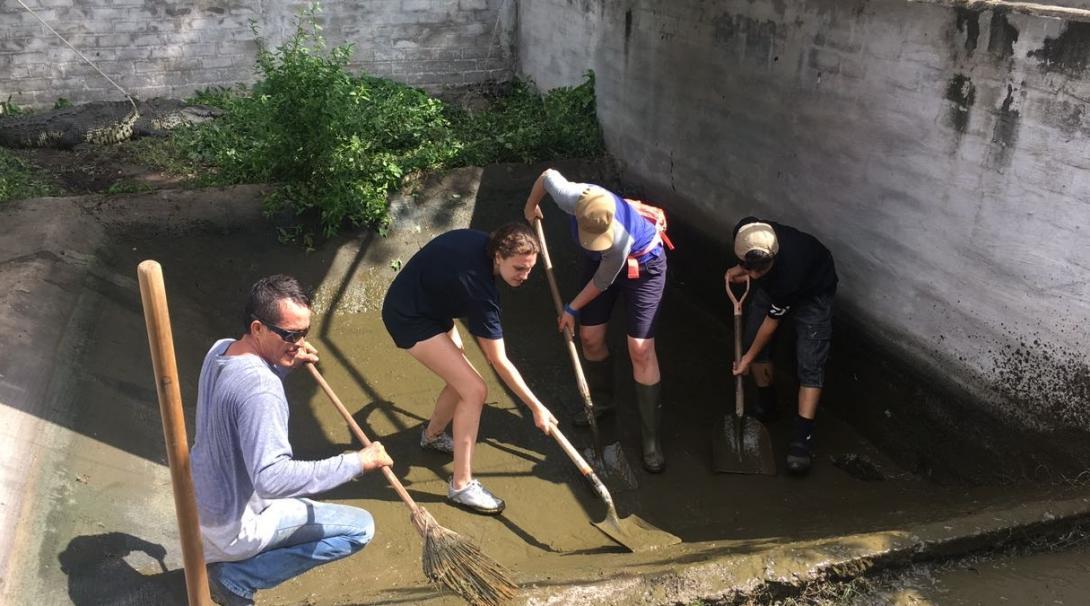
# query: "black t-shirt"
{"type": "Point", "coordinates": [451, 277]}
{"type": "Point", "coordinates": [803, 268]}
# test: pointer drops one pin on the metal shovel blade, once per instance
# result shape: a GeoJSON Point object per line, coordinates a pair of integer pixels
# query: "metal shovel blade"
{"type": "Point", "coordinates": [742, 445]}
{"type": "Point", "coordinates": [635, 533]}
{"type": "Point", "coordinates": [612, 467]}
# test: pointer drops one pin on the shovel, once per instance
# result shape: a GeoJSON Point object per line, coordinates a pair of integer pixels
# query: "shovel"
{"type": "Point", "coordinates": [633, 532]}
{"type": "Point", "coordinates": [610, 460]}
{"type": "Point", "coordinates": [741, 444]}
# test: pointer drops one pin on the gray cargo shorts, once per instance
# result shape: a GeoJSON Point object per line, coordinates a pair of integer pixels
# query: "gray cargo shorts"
{"type": "Point", "coordinates": [813, 318]}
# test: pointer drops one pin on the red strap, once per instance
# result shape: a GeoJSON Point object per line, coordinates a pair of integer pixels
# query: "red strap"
{"type": "Point", "coordinates": [633, 268]}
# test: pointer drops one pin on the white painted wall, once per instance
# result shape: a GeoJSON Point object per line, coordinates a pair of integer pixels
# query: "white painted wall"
{"type": "Point", "coordinates": [959, 230]}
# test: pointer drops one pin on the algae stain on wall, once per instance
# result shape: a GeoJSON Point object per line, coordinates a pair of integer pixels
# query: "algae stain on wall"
{"type": "Point", "coordinates": [968, 22]}
{"type": "Point", "coordinates": [1067, 53]}
{"type": "Point", "coordinates": [961, 92]}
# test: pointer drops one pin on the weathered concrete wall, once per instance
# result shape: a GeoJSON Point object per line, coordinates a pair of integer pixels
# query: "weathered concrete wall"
{"type": "Point", "coordinates": [174, 48]}
{"type": "Point", "coordinates": [939, 153]}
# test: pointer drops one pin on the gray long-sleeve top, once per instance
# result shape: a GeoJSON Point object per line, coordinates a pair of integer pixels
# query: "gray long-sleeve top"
{"type": "Point", "coordinates": [241, 458]}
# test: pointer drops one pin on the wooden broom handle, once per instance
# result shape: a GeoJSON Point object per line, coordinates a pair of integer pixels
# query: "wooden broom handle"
{"type": "Point", "coordinates": [362, 437]}
{"type": "Point", "coordinates": [161, 341]}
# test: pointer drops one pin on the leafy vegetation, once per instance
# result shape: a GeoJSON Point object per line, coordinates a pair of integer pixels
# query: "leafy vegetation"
{"type": "Point", "coordinates": [338, 143]}
{"type": "Point", "coordinates": [19, 180]}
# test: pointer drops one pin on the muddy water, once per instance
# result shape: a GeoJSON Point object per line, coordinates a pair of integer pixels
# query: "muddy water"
{"type": "Point", "coordinates": [114, 491]}
{"type": "Point", "coordinates": [1047, 577]}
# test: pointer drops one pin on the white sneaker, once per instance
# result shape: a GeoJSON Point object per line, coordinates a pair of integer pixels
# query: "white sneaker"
{"type": "Point", "coordinates": [441, 443]}
{"type": "Point", "coordinates": [475, 498]}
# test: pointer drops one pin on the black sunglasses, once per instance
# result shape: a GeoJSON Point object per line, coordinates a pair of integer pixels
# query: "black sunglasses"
{"type": "Point", "coordinates": [290, 336]}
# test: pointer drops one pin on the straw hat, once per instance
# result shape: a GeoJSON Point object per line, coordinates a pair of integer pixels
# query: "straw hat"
{"type": "Point", "coordinates": [594, 216]}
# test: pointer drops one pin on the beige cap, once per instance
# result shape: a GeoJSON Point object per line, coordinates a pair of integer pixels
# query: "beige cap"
{"type": "Point", "coordinates": [594, 215]}
{"type": "Point", "coordinates": [755, 237]}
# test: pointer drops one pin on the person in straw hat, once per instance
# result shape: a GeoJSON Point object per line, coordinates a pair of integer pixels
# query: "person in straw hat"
{"type": "Point", "coordinates": [795, 276]}
{"type": "Point", "coordinates": [624, 255]}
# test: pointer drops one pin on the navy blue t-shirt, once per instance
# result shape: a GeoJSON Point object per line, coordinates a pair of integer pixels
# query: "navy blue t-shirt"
{"type": "Point", "coordinates": [451, 277]}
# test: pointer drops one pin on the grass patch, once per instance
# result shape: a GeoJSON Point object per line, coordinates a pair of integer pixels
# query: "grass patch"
{"type": "Point", "coordinates": [19, 180]}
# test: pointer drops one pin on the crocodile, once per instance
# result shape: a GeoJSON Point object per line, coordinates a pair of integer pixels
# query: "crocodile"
{"type": "Point", "coordinates": [101, 122]}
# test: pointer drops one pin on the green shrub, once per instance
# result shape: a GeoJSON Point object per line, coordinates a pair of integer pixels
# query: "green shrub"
{"type": "Point", "coordinates": [338, 144]}
{"type": "Point", "coordinates": [525, 126]}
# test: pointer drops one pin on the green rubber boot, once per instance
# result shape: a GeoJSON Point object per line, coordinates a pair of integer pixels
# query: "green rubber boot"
{"type": "Point", "coordinates": [599, 377]}
{"type": "Point", "coordinates": [650, 407]}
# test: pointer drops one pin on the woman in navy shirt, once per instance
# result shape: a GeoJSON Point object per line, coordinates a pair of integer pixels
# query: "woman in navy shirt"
{"type": "Point", "coordinates": [454, 276]}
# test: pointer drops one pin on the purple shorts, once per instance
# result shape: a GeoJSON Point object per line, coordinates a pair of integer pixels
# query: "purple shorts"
{"type": "Point", "coordinates": [642, 298]}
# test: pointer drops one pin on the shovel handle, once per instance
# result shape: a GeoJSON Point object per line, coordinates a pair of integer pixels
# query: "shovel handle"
{"type": "Point", "coordinates": [569, 338]}
{"type": "Point", "coordinates": [362, 437]}
{"type": "Point", "coordinates": [739, 401]}
{"type": "Point", "coordinates": [161, 341]}
{"type": "Point", "coordinates": [585, 469]}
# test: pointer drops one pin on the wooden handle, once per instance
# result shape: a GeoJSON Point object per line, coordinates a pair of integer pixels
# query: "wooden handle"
{"type": "Point", "coordinates": [161, 341]}
{"type": "Point", "coordinates": [362, 437]}
{"type": "Point", "coordinates": [569, 338]}
{"type": "Point", "coordinates": [739, 392]}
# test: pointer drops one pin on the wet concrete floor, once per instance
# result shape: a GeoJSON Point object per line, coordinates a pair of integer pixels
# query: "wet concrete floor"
{"type": "Point", "coordinates": [96, 518]}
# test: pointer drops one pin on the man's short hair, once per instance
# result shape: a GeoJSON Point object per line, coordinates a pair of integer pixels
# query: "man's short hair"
{"type": "Point", "coordinates": [265, 297]}
{"type": "Point", "coordinates": [757, 260]}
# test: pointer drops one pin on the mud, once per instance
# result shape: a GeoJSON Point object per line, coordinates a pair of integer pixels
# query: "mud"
{"type": "Point", "coordinates": [94, 500]}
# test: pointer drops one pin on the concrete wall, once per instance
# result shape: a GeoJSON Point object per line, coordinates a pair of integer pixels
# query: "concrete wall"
{"type": "Point", "coordinates": [154, 48]}
{"type": "Point", "coordinates": [939, 153]}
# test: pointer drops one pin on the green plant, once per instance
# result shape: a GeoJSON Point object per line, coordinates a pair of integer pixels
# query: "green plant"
{"type": "Point", "coordinates": [61, 103]}
{"type": "Point", "coordinates": [526, 126]}
{"type": "Point", "coordinates": [18, 180]}
{"type": "Point", "coordinates": [216, 96]}
{"type": "Point", "coordinates": [337, 144]}
{"type": "Point", "coordinates": [10, 108]}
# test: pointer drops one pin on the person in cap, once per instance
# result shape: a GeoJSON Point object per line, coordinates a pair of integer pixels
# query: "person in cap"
{"type": "Point", "coordinates": [794, 276]}
{"type": "Point", "coordinates": [256, 527]}
{"type": "Point", "coordinates": [624, 254]}
{"type": "Point", "coordinates": [454, 276]}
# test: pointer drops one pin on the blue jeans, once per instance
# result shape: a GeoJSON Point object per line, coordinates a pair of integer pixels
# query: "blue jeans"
{"type": "Point", "coordinates": [309, 534]}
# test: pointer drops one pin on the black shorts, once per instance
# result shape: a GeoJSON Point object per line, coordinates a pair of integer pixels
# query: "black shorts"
{"type": "Point", "coordinates": [408, 330]}
{"type": "Point", "coordinates": [813, 319]}
{"type": "Point", "coordinates": [642, 298]}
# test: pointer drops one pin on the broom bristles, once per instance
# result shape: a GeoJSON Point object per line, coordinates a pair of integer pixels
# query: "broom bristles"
{"type": "Point", "coordinates": [458, 564]}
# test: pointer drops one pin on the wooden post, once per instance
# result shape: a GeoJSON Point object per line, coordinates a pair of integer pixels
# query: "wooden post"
{"type": "Point", "coordinates": [161, 341]}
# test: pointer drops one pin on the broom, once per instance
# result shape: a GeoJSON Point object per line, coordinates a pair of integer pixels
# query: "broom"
{"type": "Point", "coordinates": [449, 558]}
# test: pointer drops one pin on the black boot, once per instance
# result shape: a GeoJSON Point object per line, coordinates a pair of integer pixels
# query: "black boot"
{"type": "Point", "coordinates": [764, 409]}
{"type": "Point", "coordinates": [599, 377]}
{"type": "Point", "coordinates": [650, 407]}
{"type": "Point", "coordinates": [800, 452]}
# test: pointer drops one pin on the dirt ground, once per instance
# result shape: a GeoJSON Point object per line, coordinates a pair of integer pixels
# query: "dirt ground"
{"type": "Point", "coordinates": [97, 521]}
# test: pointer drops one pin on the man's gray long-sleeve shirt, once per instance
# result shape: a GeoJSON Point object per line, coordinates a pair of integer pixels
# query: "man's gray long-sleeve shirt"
{"type": "Point", "coordinates": [241, 457]}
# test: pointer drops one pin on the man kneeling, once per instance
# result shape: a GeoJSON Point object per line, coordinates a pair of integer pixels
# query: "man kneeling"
{"type": "Point", "coordinates": [257, 530]}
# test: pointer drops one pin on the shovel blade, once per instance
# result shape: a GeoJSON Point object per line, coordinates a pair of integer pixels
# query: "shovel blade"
{"type": "Point", "coordinates": [635, 533]}
{"type": "Point", "coordinates": [742, 445]}
{"type": "Point", "coordinates": [612, 467]}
